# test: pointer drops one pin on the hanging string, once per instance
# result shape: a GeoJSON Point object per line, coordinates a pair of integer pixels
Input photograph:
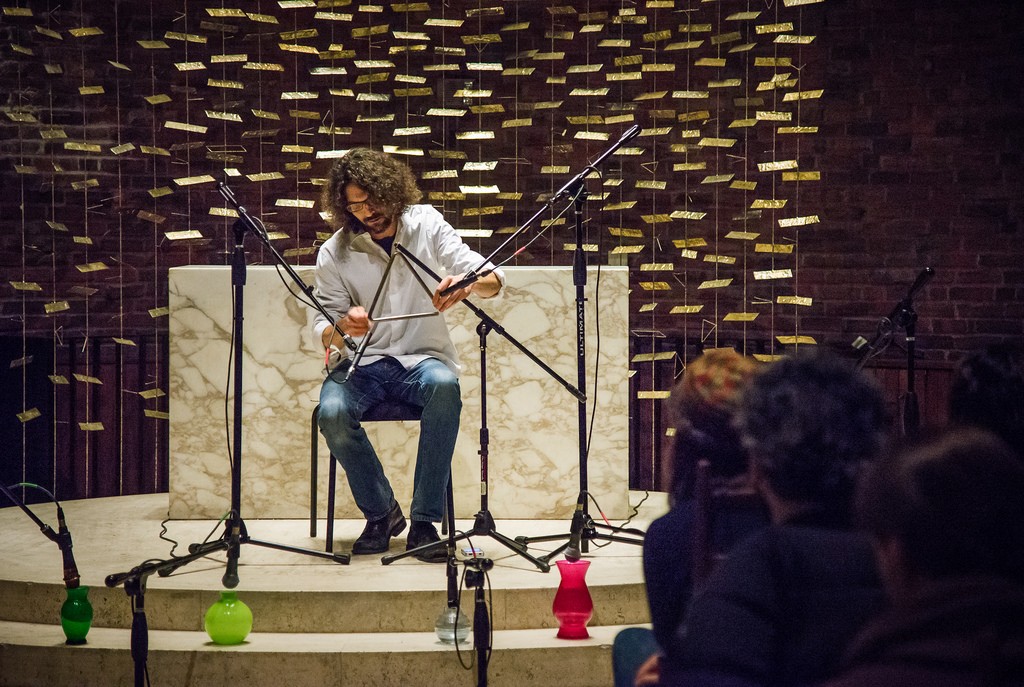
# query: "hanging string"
{"type": "Point", "coordinates": [87, 346]}
{"type": "Point", "coordinates": [120, 259]}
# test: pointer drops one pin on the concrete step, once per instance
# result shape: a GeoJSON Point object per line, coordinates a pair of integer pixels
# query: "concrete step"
{"type": "Point", "coordinates": [34, 655]}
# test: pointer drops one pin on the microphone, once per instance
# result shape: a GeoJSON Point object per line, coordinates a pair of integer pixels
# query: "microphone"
{"type": "Point", "coordinates": [630, 133]}
{"type": "Point", "coordinates": [926, 276]}
{"type": "Point", "coordinates": [230, 578]}
{"type": "Point", "coordinates": [572, 550]}
{"type": "Point", "coordinates": [902, 312]}
{"type": "Point", "coordinates": [71, 577]}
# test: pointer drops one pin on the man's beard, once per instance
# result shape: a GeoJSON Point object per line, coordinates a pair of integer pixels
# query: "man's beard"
{"type": "Point", "coordinates": [377, 224]}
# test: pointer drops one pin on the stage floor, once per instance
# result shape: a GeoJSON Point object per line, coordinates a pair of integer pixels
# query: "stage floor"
{"type": "Point", "coordinates": [361, 613]}
{"type": "Point", "coordinates": [116, 534]}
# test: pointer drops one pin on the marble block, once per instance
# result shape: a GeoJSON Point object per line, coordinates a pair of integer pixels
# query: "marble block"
{"type": "Point", "coordinates": [533, 456]}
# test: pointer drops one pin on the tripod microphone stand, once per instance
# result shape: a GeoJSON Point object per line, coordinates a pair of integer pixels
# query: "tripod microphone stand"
{"type": "Point", "coordinates": [235, 533]}
{"type": "Point", "coordinates": [483, 524]}
{"type": "Point", "coordinates": [582, 528]}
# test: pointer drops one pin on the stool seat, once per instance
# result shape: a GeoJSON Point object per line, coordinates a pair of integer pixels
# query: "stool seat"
{"type": "Point", "coordinates": [387, 410]}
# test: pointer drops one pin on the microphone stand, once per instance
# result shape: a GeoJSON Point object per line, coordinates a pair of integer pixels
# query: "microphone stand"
{"type": "Point", "coordinates": [235, 533]}
{"type": "Point", "coordinates": [476, 577]}
{"type": "Point", "coordinates": [582, 528]}
{"type": "Point", "coordinates": [134, 582]}
{"type": "Point", "coordinates": [483, 523]}
{"type": "Point", "coordinates": [904, 317]}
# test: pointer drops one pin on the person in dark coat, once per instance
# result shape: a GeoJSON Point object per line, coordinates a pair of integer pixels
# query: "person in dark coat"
{"type": "Point", "coordinates": [700, 411]}
{"type": "Point", "coordinates": [947, 521]}
{"type": "Point", "coordinates": [784, 603]}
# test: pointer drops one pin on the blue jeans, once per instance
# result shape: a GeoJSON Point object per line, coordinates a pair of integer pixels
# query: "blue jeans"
{"type": "Point", "coordinates": [430, 385]}
{"type": "Point", "coordinates": [631, 647]}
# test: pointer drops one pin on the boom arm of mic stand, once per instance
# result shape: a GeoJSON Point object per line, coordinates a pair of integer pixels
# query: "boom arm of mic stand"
{"type": "Point", "coordinates": [578, 393]}
{"type": "Point", "coordinates": [307, 289]}
{"type": "Point", "coordinates": [576, 181]}
{"type": "Point", "coordinates": [46, 529]}
{"type": "Point", "coordinates": [61, 538]}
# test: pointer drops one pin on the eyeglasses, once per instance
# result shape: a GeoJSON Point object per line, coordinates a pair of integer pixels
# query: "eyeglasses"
{"type": "Point", "coordinates": [358, 206]}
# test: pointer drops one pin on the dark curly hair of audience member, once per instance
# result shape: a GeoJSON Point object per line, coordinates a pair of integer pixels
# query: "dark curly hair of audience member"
{"type": "Point", "coordinates": [988, 392]}
{"type": "Point", "coordinates": [954, 502]}
{"type": "Point", "coordinates": [390, 184]}
{"type": "Point", "coordinates": [809, 421]}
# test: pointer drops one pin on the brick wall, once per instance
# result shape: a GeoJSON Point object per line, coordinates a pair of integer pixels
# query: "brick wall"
{"type": "Point", "coordinates": [918, 147]}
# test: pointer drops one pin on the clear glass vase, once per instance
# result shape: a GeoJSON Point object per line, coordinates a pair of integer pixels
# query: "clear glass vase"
{"type": "Point", "coordinates": [452, 626]}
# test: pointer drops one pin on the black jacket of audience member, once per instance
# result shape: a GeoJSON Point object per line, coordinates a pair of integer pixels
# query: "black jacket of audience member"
{"type": "Point", "coordinates": [780, 609]}
{"type": "Point", "coordinates": [668, 559]}
{"type": "Point", "coordinates": [955, 633]}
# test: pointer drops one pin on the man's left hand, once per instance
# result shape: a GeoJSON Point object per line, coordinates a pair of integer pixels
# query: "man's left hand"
{"type": "Point", "coordinates": [442, 303]}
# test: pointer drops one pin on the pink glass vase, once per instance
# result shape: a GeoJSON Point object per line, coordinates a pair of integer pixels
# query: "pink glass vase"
{"type": "Point", "coordinates": [573, 606]}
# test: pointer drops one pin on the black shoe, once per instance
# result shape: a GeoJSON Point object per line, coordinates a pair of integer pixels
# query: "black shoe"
{"type": "Point", "coordinates": [423, 533]}
{"type": "Point", "coordinates": [376, 536]}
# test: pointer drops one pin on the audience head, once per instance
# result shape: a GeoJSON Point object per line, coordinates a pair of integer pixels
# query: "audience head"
{"type": "Point", "coordinates": [946, 507]}
{"type": "Point", "coordinates": [702, 406]}
{"type": "Point", "coordinates": [808, 423]}
{"type": "Point", "coordinates": [988, 392]}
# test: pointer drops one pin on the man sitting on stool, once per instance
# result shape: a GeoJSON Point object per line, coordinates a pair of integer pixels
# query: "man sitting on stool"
{"type": "Point", "coordinates": [370, 199]}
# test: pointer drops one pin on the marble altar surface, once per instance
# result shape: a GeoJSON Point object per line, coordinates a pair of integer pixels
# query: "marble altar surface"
{"type": "Point", "coordinates": [532, 419]}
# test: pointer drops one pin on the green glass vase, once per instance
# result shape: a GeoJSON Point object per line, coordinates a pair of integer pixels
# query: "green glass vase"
{"type": "Point", "coordinates": [76, 615]}
{"type": "Point", "coordinates": [228, 620]}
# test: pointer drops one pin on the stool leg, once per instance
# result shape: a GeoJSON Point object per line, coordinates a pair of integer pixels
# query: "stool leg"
{"type": "Point", "coordinates": [448, 519]}
{"type": "Point", "coordinates": [333, 474]}
{"type": "Point", "coordinates": [314, 450]}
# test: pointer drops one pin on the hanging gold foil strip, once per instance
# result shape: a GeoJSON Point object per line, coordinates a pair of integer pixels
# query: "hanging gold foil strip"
{"type": "Point", "coordinates": [763, 275]}
{"type": "Point", "coordinates": [191, 181]}
{"type": "Point", "coordinates": [795, 300]}
{"type": "Point", "coordinates": [87, 379]}
{"type": "Point", "coordinates": [781, 248]}
{"type": "Point", "coordinates": [715, 283]}
{"type": "Point", "coordinates": [799, 221]}
{"type": "Point", "coordinates": [183, 235]}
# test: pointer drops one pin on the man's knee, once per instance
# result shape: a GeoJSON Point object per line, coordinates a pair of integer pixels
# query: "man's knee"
{"type": "Point", "coordinates": [335, 415]}
{"type": "Point", "coordinates": [444, 388]}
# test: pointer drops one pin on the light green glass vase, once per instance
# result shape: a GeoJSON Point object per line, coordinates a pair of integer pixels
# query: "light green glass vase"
{"type": "Point", "coordinates": [76, 615]}
{"type": "Point", "coordinates": [228, 620]}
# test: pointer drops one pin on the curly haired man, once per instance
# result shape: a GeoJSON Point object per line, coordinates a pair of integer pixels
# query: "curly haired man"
{"type": "Point", "coordinates": [371, 199]}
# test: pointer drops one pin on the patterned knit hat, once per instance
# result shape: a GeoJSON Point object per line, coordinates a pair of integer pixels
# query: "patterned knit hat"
{"type": "Point", "coordinates": [713, 381]}
{"type": "Point", "coordinates": [701, 410]}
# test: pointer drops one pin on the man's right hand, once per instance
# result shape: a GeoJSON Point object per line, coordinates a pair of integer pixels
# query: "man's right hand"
{"type": "Point", "coordinates": [356, 322]}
